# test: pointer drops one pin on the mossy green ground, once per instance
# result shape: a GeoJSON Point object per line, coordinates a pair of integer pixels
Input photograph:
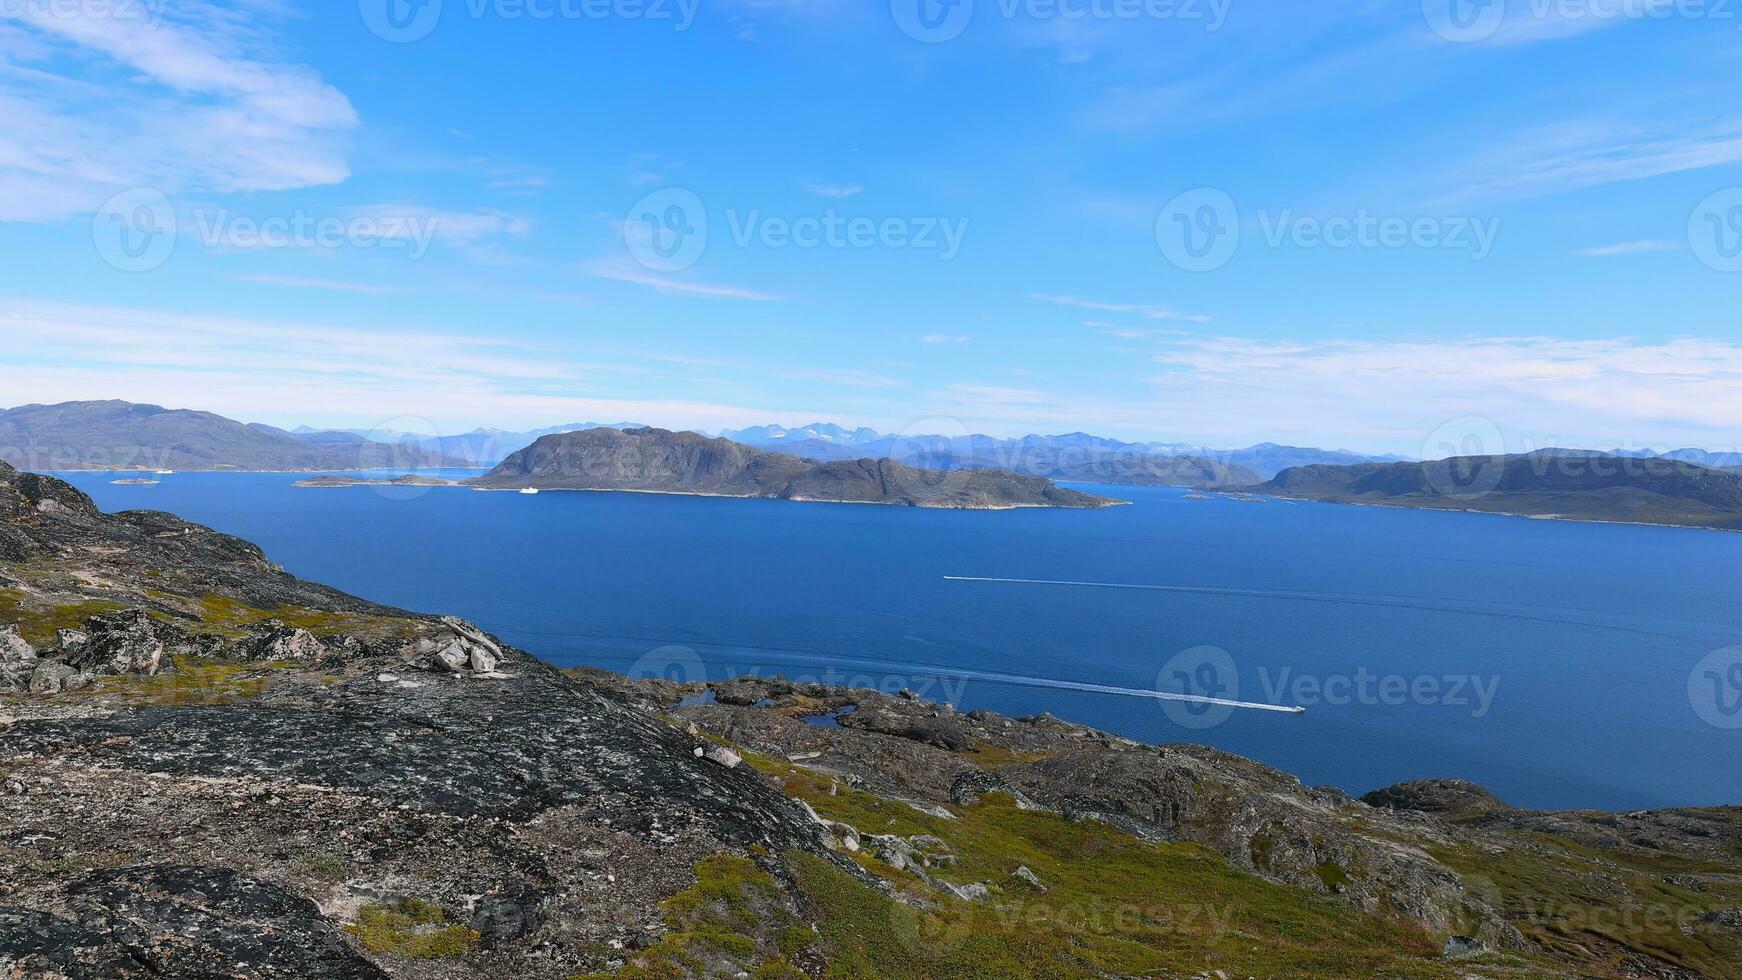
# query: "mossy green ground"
{"type": "Point", "coordinates": [1599, 906]}
{"type": "Point", "coordinates": [195, 680]}
{"type": "Point", "coordinates": [733, 920]}
{"type": "Point", "coordinates": [411, 928]}
{"type": "Point", "coordinates": [1114, 904]}
{"type": "Point", "coordinates": [38, 622]}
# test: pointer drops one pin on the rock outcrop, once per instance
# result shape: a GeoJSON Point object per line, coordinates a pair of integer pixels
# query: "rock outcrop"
{"type": "Point", "coordinates": [176, 921]}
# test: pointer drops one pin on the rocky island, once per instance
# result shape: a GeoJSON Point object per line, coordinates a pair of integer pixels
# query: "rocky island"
{"type": "Point", "coordinates": [211, 768]}
{"type": "Point", "coordinates": [1561, 484]}
{"type": "Point", "coordinates": [407, 480]}
{"type": "Point", "coordinates": [659, 461]}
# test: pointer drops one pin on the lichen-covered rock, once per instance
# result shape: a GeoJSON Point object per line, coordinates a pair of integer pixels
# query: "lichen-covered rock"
{"type": "Point", "coordinates": [275, 642]}
{"type": "Point", "coordinates": [127, 642]}
{"type": "Point", "coordinates": [466, 647]}
{"type": "Point", "coordinates": [55, 676]}
{"type": "Point", "coordinates": [17, 658]}
{"type": "Point", "coordinates": [1435, 796]}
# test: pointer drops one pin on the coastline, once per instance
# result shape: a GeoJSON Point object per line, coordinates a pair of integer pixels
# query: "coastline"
{"type": "Point", "coordinates": [796, 500]}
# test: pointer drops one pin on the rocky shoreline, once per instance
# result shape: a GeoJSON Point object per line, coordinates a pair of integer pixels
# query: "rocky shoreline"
{"type": "Point", "coordinates": [209, 768]}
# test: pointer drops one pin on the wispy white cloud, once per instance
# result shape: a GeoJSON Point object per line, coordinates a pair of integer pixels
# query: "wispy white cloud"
{"type": "Point", "coordinates": [300, 282]}
{"type": "Point", "coordinates": [617, 271]}
{"type": "Point", "coordinates": [837, 191]}
{"type": "Point", "coordinates": [447, 227]}
{"type": "Point", "coordinates": [290, 372]}
{"type": "Point", "coordinates": [941, 338]}
{"type": "Point", "coordinates": [195, 102]}
{"type": "Point", "coordinates": [848, 378]}
{"type": "Point", "coordinates": [1537, 21]}
{"type": "Point", "coordinates": [1573, 156]}
{"type": "Point", "coordinates": [1540, 390]}
{"type": "Point", "coordinates": [1148, 312]}
{"type": "Point", "coordinates": [1631, 248]}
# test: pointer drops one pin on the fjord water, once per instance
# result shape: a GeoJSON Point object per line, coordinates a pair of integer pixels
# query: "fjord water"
{"type": "Point", "coordinates": [1584, 635]}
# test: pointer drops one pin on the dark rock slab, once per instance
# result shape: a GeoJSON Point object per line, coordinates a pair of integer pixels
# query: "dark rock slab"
{"type": "Point", "coordinates": [177, 921]}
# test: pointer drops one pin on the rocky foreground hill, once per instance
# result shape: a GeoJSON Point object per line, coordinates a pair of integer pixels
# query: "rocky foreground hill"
{"type": "Point", "coordinates": [659, 461]}
{"type": "Point", "coordinates": [209, 768]}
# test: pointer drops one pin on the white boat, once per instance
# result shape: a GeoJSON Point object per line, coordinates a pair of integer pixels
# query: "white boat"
{"type": "Point", "coordinates": [529, 490]}
{"type": "Point", "coordinates": [166, 472]}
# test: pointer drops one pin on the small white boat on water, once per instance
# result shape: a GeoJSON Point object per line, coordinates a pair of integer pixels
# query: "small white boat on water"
{"type": "Point", "coordinates": [529, 490]}
{"type": "Point", "coordinates": [166, 472]}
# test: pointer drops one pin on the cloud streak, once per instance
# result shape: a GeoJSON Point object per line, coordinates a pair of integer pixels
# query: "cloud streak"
{"type": "Point", "coordinates": [185, 104]}
{"type": "Point", "coordinates": [1147, 312]}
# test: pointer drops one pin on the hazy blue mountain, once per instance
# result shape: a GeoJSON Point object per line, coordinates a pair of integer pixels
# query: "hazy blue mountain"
{"type": "Point", "coordinates": [827, 432]}
{"type": "Point", "coordinates": [1268, 458]}
{"type": "Point", "coordinates": [487, 447]}
{"type": "Point", "coordinates": [105, 435]}
{"type": "Point", "coordinates": [403, 452]}
{"type": "Point", "coordinates": [1077, 456]}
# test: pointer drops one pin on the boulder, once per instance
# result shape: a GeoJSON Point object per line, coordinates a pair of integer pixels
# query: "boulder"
{"type": "Point", "coordinates": [449, 655]}
{"type": "Point", "coordinates": [128, 642]}
{"type": "Point", "coordinates": [465, 648]}
{"type": "Point", "coordinates": [1460, 946]}
{"type": "Point", "coordinates": [55, 676]}
{"type": "Point", "coordinates": [17, 658]}
{"type": "Point", "coordinates": [720, 755]}
{"type": "Point", "coordinates": [274, 641]}
{"type": "Point", "coordinates": [1435, 796]}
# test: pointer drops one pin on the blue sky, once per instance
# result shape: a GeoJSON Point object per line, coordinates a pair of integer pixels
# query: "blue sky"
{"type": "Point", "coordinates": [1410, 222]}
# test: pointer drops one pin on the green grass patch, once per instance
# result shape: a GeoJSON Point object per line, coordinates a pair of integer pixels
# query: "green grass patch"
{"type": "Point", "coordinates": [194, 681]}
{"type": "Point", "coordinates": [734, 919]}
{"type": "Point", "coordinates": [38, 621]}
{"type": "Point", "coordinates": [1602, 906]}
{"type": "Point", "coordinates": [1114, 904]}
{"type": "Point", "coordinates": [411, 928]}
{"type": "Point", "coordinates": [224, 611]}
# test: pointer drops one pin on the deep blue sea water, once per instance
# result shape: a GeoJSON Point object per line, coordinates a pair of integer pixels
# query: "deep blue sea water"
{"type": "Point", "coordinates": [1584, 635]}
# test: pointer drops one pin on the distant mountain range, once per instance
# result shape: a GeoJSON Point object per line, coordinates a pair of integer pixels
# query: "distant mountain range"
{"type": "Point", "coordinates": [660, 461]}
{"type": "Point", "coordinates": [768, 435]}
{"type": "Point", "coordinates": [1073, 456]}
{"type": "Point", "coordinates": [1558, 483]}
{"type": "Point", "coordinates": [118, 435]}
